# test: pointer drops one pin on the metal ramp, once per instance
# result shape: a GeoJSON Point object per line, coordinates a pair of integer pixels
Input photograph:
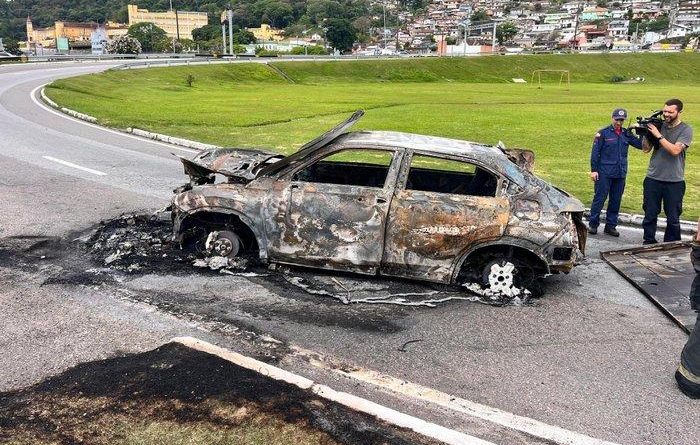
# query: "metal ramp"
{"type": "Point", "coordinates": [663, 272]}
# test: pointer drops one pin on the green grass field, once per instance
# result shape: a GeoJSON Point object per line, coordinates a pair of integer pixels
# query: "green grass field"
{"type": "Point", "coordinates": [250, 105]}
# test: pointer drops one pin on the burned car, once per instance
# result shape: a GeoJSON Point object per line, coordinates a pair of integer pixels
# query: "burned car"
{"type": "Point", "coordinates": [386, 203]}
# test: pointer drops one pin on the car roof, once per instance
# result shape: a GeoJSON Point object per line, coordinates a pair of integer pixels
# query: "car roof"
{"type": "Point", "coordinates": [435, 144]}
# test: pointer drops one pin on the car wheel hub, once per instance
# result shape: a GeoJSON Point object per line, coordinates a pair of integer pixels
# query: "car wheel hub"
{"type": "Point", "coordinates": [226, 244]}
{"type": "Point", "coordinates": [501, 276]}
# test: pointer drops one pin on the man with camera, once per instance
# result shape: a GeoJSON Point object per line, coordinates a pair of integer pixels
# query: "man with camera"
{"type": "Point", "coordinates": [608, 171]}
{"type": "Point", "coordinates": [688, 373]}
{"type": "Point", "coordinates": [664, 183]}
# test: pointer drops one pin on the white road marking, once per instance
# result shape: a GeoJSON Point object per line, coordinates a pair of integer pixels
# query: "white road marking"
{"type": "Point", "coordinates": [108, 130]}
{"type": "Point", "coordinates": [389, 415]}
{"type": "Point", "coordinates": [524, 424]}
{"type": "Point", "coordinates": [70, 164]}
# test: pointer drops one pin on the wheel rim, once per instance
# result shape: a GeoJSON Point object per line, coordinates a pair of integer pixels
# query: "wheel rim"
{"type": "Point", "coordinates": [226, 244]}
{"type": "Point", "coordinates": [501, 276]}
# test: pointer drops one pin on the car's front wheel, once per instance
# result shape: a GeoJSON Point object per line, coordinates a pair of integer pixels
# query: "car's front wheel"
{"type": "Point", "coordinates": [225, 243]}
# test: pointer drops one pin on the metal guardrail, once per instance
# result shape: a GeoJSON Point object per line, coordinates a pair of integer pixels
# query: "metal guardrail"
{"type": "Point", "coordinates": [151, 60]}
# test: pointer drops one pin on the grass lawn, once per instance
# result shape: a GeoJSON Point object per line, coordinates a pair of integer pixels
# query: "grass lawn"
{"type": "Point", "coordinates": [250, 105]}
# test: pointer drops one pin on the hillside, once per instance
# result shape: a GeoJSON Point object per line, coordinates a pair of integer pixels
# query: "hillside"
{"type": "Point", "coordinates": [247, 13]}
{"type": "Point", "coordinates": [595, 68]}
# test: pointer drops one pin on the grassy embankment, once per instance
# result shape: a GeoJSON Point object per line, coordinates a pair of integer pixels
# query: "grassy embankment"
{"type": "Point", "coordinates": [473, 99]}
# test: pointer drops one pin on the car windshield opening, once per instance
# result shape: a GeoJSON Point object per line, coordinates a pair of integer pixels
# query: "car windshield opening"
{"type": "Point", "coordinates": [440, 175]}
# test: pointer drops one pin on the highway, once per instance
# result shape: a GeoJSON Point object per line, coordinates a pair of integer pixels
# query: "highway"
{"type": "Point", "coordinates": [591, 361]}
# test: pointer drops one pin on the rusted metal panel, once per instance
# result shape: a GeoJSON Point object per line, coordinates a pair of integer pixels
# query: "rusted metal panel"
{"type": "Point", "coordinates": [428, 231]}
{"type": "Point", "coordinates": [663, 272]}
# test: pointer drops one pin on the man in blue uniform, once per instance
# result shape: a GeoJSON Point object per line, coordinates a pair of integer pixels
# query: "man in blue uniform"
{"type": "Point", "coordinates": [609, 169]}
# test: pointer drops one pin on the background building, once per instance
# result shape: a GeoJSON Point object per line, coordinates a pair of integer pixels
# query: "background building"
{"type": "Point", "coordinates": [169, 21]}
{"type": "Point", "coordinates": [78, 34]}
{"type": "Point", "coordinates": [267, 33]}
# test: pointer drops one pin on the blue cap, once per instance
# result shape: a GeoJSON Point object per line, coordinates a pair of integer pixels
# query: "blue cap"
{"type": "Point", "coordinates": [619, 113]}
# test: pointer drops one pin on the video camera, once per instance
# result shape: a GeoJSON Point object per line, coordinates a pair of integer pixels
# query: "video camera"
{"type": "Point", "coordinates": [642, 131]}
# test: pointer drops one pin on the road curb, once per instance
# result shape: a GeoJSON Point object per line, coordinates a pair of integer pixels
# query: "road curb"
{"type": "Point", "coordinates": [68, 111]}
{"type": "Point", "coordinates": [630, 219]}
{"type": "Point", "coordinates": [171, 139]}
{"type": "Point", "coordinates": [356, 403]}
{"type": "Point", "coordinates": [182, 142]}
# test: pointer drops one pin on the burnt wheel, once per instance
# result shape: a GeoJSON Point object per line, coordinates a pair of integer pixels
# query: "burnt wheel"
{"type": "Point", "coordinates": [224, 243]}
{"type": "Point", "coordinates": [510, 276]}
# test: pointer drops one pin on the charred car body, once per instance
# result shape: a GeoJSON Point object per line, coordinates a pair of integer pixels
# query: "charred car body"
{"type": "Point", "coordinates": [387, 203]}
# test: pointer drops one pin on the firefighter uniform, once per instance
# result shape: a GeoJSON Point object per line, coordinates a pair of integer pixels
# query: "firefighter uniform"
{"type": "Point", "coordinates": [609, 159]}
{"type": "Point", "coordinates": [688, 374]}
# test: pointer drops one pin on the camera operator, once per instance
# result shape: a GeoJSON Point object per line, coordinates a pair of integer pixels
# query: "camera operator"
{"type": "Point", "coordinates": [608, 171]}
{"type": "Point", "coordinates": [688, 374]}
{"type": "Point", "coordinates": [665, 177]}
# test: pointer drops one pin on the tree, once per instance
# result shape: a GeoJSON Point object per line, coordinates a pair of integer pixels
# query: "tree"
{"type": "Point", "coordinates": [151, 37]}
{"type": "Point", "coordinates": [11, 46]}
{"type": "Point", "coordinates": [243, 37]}
{"type": "Point", "coordinates": [340, 34]}
{"type": "Point", "coordinates": [479, 15]}
{"type": "Point", "coordinates": [505, 32]}
{"type": "Point", "coordinates": [206, 33]}
{"type": "Point", "coordinates": [123, 45]}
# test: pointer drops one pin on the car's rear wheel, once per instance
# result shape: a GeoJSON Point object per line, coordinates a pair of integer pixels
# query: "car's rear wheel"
{"type": "Point", "coordinates": [509, 276]}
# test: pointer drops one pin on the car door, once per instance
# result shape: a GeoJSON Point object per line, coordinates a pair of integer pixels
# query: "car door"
{"type": "Point", "coordinates": [441, 207]}
{"type": "Point", "coordinates": [331, 212]}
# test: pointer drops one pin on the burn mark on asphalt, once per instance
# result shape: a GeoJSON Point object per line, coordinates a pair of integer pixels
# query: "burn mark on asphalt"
{"type": "Point", "coordinates": [118, 253]}
{"type": "Point", "coordinates": [87, 403]}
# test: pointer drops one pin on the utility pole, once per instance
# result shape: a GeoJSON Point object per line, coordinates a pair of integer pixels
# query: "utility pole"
{"type": "Point", "coordinates": [223, 38]}
{"type": "Point", "coordinates": [171, 10]}
{"type": "Point", "coordinates": [230, 29]}
{"type": "Point", "coordinates": [493, 37]}
{"type": "Point", "coordinates": [384, 30]}
{"type": "Point", "coordinates": [578, 14]}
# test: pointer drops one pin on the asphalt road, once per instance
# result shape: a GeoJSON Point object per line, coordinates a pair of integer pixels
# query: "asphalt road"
{"type": "Point", "coordinates": [593, 356]}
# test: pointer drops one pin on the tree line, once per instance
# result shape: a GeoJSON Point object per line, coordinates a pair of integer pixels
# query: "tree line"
{"type": "Point", "coordinates": [355, 20]}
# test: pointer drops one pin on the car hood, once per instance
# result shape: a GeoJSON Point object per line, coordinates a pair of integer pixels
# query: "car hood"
{"type": "Point", "coordinates": [239, 163]}
{"type": "Point", "coordinates": [244, 165]}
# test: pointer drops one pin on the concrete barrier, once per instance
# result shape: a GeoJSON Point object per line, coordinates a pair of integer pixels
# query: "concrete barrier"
{"type": "Point", "coordinates": [629, 219]}
{"type": "Point", "coordinates": [171, 139]}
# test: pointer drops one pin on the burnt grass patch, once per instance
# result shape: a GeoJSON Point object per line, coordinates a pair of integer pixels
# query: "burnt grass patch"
{"type": "Point", "coordinates": [175, 389]}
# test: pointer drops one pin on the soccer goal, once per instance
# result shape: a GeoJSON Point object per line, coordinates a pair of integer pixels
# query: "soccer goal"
{"type": "Point", "coordinates": [564, 75]}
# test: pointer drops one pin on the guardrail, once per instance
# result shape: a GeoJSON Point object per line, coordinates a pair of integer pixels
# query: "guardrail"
{"type": "Point", "coordinates": [149, 60]}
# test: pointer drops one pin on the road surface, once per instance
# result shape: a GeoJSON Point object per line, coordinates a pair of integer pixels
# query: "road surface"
{"type": "Point", "coordinates": [592, 358]}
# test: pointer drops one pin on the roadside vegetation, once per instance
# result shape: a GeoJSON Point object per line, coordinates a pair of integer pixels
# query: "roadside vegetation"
{"type": "Point", "coordinates": [252, 105]}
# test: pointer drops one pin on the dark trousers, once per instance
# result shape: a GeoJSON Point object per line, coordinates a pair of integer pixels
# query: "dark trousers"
{"type": "Point", "coordinates": [611, 189]}
{"type": "Point", "coordinates": [688, 374]}
{"type": "Point", "coordinates": [671, 195]}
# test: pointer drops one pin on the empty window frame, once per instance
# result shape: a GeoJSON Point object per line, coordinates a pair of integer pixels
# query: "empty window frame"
{"type": "Point", "coordinates": [441, 175]}
{"type": "Point", "coordinates": [358, 167]}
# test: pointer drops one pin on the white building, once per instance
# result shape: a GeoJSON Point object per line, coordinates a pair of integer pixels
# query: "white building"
{"type": "Point", "coordinates": [618, 29]}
